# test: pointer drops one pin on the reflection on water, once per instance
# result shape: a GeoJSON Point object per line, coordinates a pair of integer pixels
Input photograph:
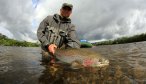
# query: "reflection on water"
{"type": "Point", "coordinates": [19, 65]}
{"type": "Point", "coordinates": [61, 74]}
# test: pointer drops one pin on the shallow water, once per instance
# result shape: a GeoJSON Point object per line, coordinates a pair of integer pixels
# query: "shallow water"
{"type": "Point", "coordinates": [20, 65]}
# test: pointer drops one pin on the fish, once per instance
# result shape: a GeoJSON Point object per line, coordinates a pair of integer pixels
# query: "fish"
{"type": "Point", "coordinates": [79, 58]}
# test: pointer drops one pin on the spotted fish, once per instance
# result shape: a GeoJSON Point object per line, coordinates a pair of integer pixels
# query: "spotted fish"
{"type": "Point", "coordinates": [82, 57]}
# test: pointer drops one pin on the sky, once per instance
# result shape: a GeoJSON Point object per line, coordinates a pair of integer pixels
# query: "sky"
{"type": "Point", "coordinates": [94, 19]}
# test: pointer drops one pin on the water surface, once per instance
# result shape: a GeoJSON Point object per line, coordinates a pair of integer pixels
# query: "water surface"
{"type": "Point", "coordinates": [22, 65]}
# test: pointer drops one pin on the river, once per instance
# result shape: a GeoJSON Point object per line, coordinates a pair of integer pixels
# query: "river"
{"type": "Point", "coordinates": [22, 65]}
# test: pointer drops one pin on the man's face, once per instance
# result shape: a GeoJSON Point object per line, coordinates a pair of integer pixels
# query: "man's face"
{"type": "Point", "coordinates": [65, 11]}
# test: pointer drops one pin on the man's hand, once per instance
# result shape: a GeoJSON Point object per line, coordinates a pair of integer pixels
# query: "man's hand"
{"type": "Point", "coordinates": [52, 48]}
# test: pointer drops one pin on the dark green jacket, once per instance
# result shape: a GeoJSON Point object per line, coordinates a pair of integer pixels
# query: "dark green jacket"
{"type": "Point", "coordinates": [57, 30]}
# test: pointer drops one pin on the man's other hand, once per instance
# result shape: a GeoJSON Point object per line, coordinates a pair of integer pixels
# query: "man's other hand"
{"type": "Point", "coordinates": [52, 48]}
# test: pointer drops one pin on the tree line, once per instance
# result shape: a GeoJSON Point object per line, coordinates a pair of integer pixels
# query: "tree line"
{"type": "Point", "coordinates": [5, 41]}
{"type": "Point", "coordinates": [122, 40]}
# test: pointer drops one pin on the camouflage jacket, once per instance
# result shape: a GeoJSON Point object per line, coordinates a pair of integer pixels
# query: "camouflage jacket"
{"type": "Point", "coordinates": [57, 30]}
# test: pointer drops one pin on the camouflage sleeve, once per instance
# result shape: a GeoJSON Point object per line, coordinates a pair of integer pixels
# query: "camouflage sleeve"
{"type": "Point", "coordinates": [41, 32]}
{"type": "Point", "coordinates": [72, 38]}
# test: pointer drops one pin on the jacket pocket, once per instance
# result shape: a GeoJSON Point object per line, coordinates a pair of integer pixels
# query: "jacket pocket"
{"type": "Point", "coordinates": [55, 35]}
{"type": "Point", "coordinates": [61, 38]}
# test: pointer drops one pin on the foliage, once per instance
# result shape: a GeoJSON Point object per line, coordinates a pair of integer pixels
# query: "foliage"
{"type": "Point", "coordinates": [5, 41]}
{"type": "Point", "coordinates": [122, 40]}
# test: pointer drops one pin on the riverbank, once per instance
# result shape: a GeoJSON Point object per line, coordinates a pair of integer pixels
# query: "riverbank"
{"type": "Point", "coordinates": [5, 41]}
{"type": "Point", "coordinates": [123, 40]}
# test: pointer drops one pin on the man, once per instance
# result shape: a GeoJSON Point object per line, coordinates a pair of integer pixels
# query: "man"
{"type": "Point", "coordinates": [57, 32]}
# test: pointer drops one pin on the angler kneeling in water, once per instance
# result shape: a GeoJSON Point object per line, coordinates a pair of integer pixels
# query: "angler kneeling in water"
{"type": "Point", "coordinates": [57, 31]}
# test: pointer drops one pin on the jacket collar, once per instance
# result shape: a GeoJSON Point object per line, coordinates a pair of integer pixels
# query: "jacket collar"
{"type": "Point", "coordinates": [60, 19]}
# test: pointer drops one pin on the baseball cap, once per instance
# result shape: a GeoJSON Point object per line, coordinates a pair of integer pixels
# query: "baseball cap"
{"type": "Point", "coordinates": [67, 5]}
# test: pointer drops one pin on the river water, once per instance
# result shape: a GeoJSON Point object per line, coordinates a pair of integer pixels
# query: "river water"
{"type": "Point", "coordinates": [22, 65]}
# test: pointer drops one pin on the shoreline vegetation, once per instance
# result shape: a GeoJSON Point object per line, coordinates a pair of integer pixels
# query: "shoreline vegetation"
{"type": "Point", "coordinates": [5, 41]}
{"type": "Point", "coordinates": [123, 40]}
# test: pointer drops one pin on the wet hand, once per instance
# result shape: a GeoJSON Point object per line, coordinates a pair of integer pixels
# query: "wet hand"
{"type": "Point", "coordinates": [52, 48]}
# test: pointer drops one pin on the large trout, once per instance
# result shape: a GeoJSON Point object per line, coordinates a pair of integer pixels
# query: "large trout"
{"type": "Point", "coordinates": [81, 58]}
